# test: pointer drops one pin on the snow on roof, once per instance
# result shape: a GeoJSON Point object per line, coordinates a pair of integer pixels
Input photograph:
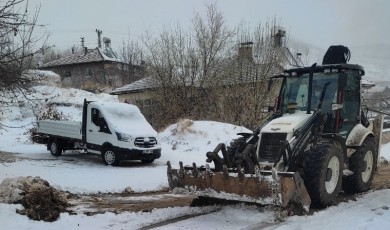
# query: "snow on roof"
{"type": "Point", "coordinates": [291, 61]}
{"type": "Point", "coordinates": [367, 84]}
{"type": "Point", "coordinates": [126, 118]}
{"type": "Point", "coordinates": [110, 55]}
{"type": "Point", "coordinates": [92, 55]}
{"type": "Point", "coordinates": [144, 83]}
{"type": "Point", "coordinates": [41, 73]}
{"type": "Point", "coordinates": [233, 77]}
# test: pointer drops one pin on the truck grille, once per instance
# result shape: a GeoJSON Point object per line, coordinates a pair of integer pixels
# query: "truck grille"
{"type": "Point", "coordinates": [270, 146]}
{"type": "Point", "coordinates": [145, 142]}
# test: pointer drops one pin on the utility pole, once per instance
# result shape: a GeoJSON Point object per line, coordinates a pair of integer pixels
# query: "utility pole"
{"type": "Point", "coordinates": [82, 42]}
{"type": "Point", "coordinates": [99, 33]}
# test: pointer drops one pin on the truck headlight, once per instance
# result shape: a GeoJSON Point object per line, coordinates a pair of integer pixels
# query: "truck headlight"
{"type": "Point", "coordinates": [123, 137]}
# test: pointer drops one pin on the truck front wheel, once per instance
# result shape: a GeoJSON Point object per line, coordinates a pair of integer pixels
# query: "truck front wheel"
{"type": "Point", "coordinates": [109, 157]}
{"type": "Point", "coordinates": [55, 148]}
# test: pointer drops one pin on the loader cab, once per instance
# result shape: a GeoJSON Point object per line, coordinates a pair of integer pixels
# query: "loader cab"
{"type": "Point", "coordinates": [335, 89]}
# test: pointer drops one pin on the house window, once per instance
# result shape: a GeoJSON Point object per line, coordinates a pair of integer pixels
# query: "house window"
{"type": "Point", "coordinates": [68, 73]}
{"type": "Point", "coordinates": [88, 72]}
{"type": "Point", "coordinates": [146, 107]}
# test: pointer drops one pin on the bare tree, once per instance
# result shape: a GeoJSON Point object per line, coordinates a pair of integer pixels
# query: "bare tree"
{"type": "Point", "coordinates": [244, 83]}
{"type": "Point", "coordinates": [213, 72]}
{"type": "Point", "coordinates": [17, 46]}
{"type": "Point", "coordinates": [184, 65]}
{"type": "Point", "coordinates": [131, 54]}
{"type": "Point", "coordinates": [213, 39]}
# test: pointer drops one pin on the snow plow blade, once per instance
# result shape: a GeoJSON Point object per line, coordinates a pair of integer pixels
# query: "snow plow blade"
{"type": "Point", "coordinates": [264, 187]}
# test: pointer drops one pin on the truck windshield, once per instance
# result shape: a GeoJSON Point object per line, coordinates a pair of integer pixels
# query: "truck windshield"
{"type": "Point", "coordinates": [295, 92]}
{"type": "Point", "coordinates": [127, 119]}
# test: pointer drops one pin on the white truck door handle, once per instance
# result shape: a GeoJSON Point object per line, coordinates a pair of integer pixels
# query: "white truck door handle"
{"type": "Point", "coordinates": [90, 130]}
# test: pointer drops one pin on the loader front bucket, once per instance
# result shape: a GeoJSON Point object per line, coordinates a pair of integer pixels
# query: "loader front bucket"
{"type": "Point", "coordinates": [264, 187]}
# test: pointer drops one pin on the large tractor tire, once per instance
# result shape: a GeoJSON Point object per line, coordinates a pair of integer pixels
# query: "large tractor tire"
{"type": "Point", "coordinates": [55, 147]}
{"type": "Point", "coordinates": [363, 165]}
{"type": "Point", "coordinates": [236, 145]}
{"type": "Point", "coordinates": [323, 173]}
{"type": "Point", "coordinates": [242, 154]}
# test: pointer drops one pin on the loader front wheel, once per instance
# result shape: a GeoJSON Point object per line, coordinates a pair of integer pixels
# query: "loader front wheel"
{"type": "Point", "coordinates": [362, 164]}
{"type": "Point", "coordinates": [323, 173]}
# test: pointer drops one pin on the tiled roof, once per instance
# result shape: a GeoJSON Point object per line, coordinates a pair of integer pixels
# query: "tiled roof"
{"type": "Point", "coordinates": [234, 76]}
{"type": "Point", "coordinates": [92, 55]}
{"type": "Point", "coordinates": [144, 83]}
{"type": "Point", "coordinates": [291, 61]}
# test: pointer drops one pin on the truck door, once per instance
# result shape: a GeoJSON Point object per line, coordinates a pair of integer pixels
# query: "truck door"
{"type": "Point", "coordinates": [97, 130]}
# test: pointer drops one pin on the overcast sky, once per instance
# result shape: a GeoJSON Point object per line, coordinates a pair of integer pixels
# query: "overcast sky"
{"type": "Point", "coordinates": [320, 23]}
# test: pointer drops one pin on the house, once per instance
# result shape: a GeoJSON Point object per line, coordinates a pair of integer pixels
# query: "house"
{"type": "Point", "coordinates": [138, 90]}
{"type": "Point", "coordinates": [90, 69]}
{"type": "Point", "coordinates": [138, 93]}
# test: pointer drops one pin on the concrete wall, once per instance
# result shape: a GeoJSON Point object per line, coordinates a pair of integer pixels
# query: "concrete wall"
{"type": "Point", "coordinates": [89, 76]}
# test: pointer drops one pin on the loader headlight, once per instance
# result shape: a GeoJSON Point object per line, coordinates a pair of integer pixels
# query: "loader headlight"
{"type": "Point", "coordinates": [123, 137]}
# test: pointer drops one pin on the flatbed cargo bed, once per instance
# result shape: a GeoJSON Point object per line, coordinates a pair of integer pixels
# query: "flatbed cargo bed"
{"type": "Point", "coordinates": [68, 129]}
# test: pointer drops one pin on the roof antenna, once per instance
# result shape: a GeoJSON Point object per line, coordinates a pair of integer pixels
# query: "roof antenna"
{"type": "Point", "coordinates": [82, 42]}
{"type": "Point", "coordinates": [99, 33]}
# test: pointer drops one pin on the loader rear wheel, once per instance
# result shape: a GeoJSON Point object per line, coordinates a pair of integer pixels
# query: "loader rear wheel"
{"type": "Point", "coordinates": [323, 173]}
{"type": "Point", "coordinates": [362, 164]}
{"type": "Point", "coordinates": [55, 148]}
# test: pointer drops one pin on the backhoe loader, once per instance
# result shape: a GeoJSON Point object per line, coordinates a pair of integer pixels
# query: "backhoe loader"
{"type": "Point", "coordinates": [317, 142]}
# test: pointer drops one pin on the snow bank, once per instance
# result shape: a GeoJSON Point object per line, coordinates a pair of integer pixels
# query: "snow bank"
{"type": "Point", "coordinates": [385, 152]}
{"type": "Point", "coordinates": [189, 141]}
{"type": "Point", "coordinates": [44, 77]}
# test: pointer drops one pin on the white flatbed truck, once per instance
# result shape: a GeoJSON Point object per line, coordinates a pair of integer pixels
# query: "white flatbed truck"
{"type": "Point", "coordinates": [117, 131]}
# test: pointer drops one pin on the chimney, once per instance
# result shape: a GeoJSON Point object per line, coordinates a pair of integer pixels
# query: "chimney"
{"type": "Point", "coordinates": [278, 33]}
{"type": "Point", "coordinates": [85, 50]}
{"type": "Point", "coordinates": [73, 50]}
{"type": "Point", "coordinates": [245, 51]}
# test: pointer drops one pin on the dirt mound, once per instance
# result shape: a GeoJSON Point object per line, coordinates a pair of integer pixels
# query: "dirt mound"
{"type": "Point", "coordinates": [39, 199]}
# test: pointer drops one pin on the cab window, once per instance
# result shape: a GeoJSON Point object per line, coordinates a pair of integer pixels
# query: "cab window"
{"type": "Point", "coordinates": [98, 120]}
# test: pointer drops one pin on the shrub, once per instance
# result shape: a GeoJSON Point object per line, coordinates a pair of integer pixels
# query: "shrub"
{"type": "Point", "coordinates": [47, 113]}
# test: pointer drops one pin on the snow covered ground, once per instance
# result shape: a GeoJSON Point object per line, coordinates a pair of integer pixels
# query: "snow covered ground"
{"type": "Point", "coordinates": [186, 141]}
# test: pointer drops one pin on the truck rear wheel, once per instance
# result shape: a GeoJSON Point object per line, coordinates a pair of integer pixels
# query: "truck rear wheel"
{"type": "Point", "coordinates": [110, 157]}
{"type": "Point", "coordinates": [362, 164]}
{"type": "Point", "coordinates": [323, 173]}
{"type": "Point", "coordinates": [55, 147]}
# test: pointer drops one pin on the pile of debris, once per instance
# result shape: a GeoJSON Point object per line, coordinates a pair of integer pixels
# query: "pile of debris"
{"type": "Point", "coordinates": [39, 199]}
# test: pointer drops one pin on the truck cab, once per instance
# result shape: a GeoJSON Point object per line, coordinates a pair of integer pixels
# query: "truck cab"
{"type": "Point", "coordinates": [119, 132]}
